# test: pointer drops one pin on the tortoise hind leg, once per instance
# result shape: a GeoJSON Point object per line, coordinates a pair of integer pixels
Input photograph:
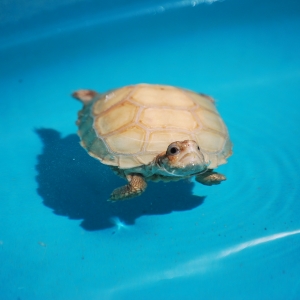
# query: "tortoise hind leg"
{"type": "Point", "coordinates": [85, 96]}
{"type": "Point", "coordinates": [210, 178]}
{"type": "Point", "coordinates": [135, 187]}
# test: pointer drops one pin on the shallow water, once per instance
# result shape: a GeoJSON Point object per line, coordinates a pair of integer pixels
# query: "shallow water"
{"type": "Point", "coordinates": [61, 239]}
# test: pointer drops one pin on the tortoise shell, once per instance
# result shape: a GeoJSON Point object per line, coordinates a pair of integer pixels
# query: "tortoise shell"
{"type": "Point", "coordinates": [128, 127]}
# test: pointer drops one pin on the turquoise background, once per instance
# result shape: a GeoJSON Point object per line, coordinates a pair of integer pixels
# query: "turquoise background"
{"type": "Point", "coordinates": [61, 239]}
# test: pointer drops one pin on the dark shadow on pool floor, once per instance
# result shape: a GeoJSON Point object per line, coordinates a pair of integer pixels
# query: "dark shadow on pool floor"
{"type": "Point", "coordinates": [76, 185]}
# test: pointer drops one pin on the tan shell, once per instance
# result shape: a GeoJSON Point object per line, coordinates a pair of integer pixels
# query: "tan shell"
{"type": "Point", "coordinates": [130, 126]}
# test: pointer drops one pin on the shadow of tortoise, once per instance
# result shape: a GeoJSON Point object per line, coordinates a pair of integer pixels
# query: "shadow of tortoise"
{"type": "Point", "coordinates": [76, 185]}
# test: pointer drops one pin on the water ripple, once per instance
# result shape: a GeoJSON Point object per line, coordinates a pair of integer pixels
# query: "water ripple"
{"type": "Point", "coordinates": [261, 193]}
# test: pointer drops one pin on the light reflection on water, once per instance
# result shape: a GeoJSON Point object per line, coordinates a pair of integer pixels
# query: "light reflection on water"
{"type": "Point", "coordinates": [198, 265]}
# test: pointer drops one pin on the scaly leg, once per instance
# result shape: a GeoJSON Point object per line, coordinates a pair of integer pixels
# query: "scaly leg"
{"type": "Point", "coordinates": [135, 187]}
{"type": "Point", "coordinates": [210, 178]}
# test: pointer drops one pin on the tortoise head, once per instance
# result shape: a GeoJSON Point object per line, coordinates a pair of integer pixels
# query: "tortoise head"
{"type": "Point", "coordinates": [182, 159]}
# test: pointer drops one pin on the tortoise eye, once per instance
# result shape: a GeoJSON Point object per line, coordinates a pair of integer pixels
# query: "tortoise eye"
{"type": "Point", "coordinates": [198, 148]}
{"type": "Point", "coordinates": [173, 150]}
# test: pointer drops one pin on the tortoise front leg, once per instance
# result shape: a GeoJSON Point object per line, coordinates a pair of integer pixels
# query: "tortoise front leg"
{"type": "Point", "coordinates": [210, 178]}
{"type": "Point", "coordinates": [135, 187]}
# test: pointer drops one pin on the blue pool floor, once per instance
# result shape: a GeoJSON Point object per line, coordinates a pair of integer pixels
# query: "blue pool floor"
{"type": "Point", "coordinates": [61, 239]}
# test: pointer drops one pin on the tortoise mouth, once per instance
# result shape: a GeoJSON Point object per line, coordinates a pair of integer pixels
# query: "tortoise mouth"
{"type": "Point", "coordinates": [192, 160]}
{"type": "Point", "coordinates": [188, 170]}
{"type": "Point", "coordinates": [188, 165]}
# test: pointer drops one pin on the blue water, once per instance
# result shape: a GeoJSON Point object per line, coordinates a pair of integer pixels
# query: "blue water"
{"type": "Point", "coordinates": [61, 239]}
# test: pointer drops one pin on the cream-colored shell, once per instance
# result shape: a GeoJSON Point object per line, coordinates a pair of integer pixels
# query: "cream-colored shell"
{"type": "Point", "coordinates": [130, 126]}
